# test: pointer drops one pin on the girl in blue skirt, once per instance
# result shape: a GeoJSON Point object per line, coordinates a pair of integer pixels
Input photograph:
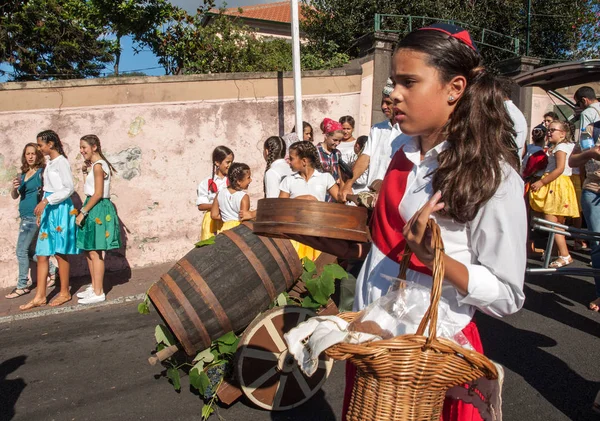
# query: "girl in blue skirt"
{"type": "Point", "coordinates": [98, 222]}
{"type": "Point", "coordinates": [56, 218]}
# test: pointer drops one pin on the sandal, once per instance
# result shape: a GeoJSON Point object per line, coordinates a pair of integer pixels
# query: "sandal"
{"type": "Point", "coordinates": [60, 300]}
{"type": "Point", "coordinates": [561, 262]}
{"type": "Point", "coordinates": [17, 292]}
{"type": "Point", "coordinates": [579, 245]}
{"type": "Point", "coordinates": [32, 304]}
{"type": "Point", "coordinates": [51, 280]}
{"type": "Point", "coordinates": [595, 305]}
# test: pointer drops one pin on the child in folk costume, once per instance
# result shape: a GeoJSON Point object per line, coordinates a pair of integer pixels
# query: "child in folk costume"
{"type": "Point", "coordinates": [232, 200]}
{"type": "Point", "coordinates": [56, 218]}
{"type": "Point", "coordinates": [222, 157]}
{"type": "Point", "coordinates": [554, 195]}
{"type": "Point", "coordinates": [98, 222]}
{"type": "Point", "coordinates": [459, 165]}
{"type": "Point", "coordinates": [329, 155]}
{"type": "Point", "coordinates": [308, 181]}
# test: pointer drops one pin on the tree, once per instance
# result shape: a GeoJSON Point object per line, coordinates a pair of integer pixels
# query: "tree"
{"type": "Point", "coordinates": [558, 28]}
{"type": "Point", "coordinates": [129, 17]}
{"type": "Point", "coordinates": [187, 44]}
{"type": "Point", "coordinates": [51, 39]}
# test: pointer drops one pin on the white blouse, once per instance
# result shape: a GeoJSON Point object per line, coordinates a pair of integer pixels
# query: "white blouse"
{"type": "Point", "coordinates": [58, 180]}
{"type": "Point", "coordinates": [230, 204]}
{"type": "Point", "coordinates": [492, 246]}
{"type": "Point", "coordinates": [205, 196]}
{"type": "Point", "coordinates": [89, 188]}
{"type": "Point", "coordinates": [566, 148]}
{"type": "Point", "coordinates": [317, 185]}
{"type": "Point", "coordinates": [278, 170]}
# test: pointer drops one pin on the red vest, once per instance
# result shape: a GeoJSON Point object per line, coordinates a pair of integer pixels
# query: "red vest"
{"type": "Point", "coordinates": [386, 223]}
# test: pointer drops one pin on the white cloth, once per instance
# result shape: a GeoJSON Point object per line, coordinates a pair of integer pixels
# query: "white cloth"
{"type": "Point", "coordinates": [58, 180]}
{"type": "Point", "coordinates": [520, 123]}
{"type": "Point", "coordinates": [566, 148]}
{"type": "Point", "coordinates": [317, 185]}
{"type": "Point", "coordinates": [89, 187]}
{"type": "Point", "coordinates": [590, 115]}
{"type": "Point", "coordinates": [347, 151]}
{"type": "Point", "coordinates": [205, 196]}
{"type": "Point", "coordinates": [382, 144]}
{"type": "Point", "coordinates": [230, 204]}
{"type": "Point", "coordinates": [322, 332]}
{"type": "Point", "coordinates": [274, 176]}
{"type": "Point", "coordinates": [491, 246]}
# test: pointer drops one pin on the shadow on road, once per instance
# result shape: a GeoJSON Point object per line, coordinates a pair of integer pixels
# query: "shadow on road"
{"type": "Point", "coordinates": [522, 352]}
{"type": "Point", "coordinates": [10, 390]}
{"type": "Point", "coordinates": [317, 408]}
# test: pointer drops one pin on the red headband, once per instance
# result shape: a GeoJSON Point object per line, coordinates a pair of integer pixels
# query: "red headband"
{"type": "Point", "coordinates": [330, 125]}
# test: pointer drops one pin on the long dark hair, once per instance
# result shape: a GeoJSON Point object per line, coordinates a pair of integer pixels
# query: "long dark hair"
{"type": "Point", "coordinates": [275, 146]}
{"type": "Point", "coordinates": [40, 162]}
{"type": "Point", "coordinates": [306, 149]}
{"type": "Point", "coordinates": [480, 132]}
{"type": "Point", "coordinates": [218, 155]}
{"type": "Point", "coordinates": [237, 172]}
{"type": "Point", "coordinates": [93, 140]}
{"type": "Point", "coordinates": [51, 136]}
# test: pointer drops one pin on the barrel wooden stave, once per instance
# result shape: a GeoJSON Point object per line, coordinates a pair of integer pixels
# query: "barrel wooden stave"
{"type": "Point", "coordinates": [221, 285]}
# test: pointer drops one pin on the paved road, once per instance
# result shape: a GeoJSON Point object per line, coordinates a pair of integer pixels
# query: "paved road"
{"type": "Point", "coordinates": [91, 365]}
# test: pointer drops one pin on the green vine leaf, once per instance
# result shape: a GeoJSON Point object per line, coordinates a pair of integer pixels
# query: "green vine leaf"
{"type": "Point", "coordinates": [321, 287]}
{"type": "Point", "coordinates": [309, 265]}
{"type": "Point", "coordinates": [282, 299]}
{"type": "Point", "coordinates": [199, 380]}
{"type": "Point", "coordinates": [143, 308]}
{"type": "Point", "coordinates": [164, 335]}
{"type": "Point", "coordinates": [173, 375]}
{"type": "Point", "coordinates": [308, 302]}
{"type": "Point", "coordinates": [336, 271]}
{"type": "Point", "coordinates": [207, 411]}
{"type": "Point", "coordinates": [205, 356]}
{"type": "Point", "coordinates": [207, 242]}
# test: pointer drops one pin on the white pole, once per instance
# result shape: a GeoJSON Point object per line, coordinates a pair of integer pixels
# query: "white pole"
{"type": "Point", "coordinates": [296, 68]}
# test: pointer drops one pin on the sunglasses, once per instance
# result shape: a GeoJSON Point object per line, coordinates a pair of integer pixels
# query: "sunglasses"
{"type": "Point", "coordinates": [555, 130]}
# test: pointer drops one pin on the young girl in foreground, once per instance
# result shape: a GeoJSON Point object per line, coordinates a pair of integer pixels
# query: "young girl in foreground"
{"type": "Point", "coordinates": [554, 195]}
{"type": "Point", "coordinates": [56, 216]}
{"type": "Point", "coordinates": [233, 200]}
{"type": "Point", "coordinates": [222, 157]}
{"type": "Point", "coordinates": [26, 187]}
{"type": "Point", "coordinates": [98, 221]}
{"type": "Point", "coordinates": [459, 167]}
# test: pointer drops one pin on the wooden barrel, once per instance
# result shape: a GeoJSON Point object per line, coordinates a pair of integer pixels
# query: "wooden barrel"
{"type": "Point", "coordinates": [279, 217]}
{"type": "Point", "coordinates": [221, 287]}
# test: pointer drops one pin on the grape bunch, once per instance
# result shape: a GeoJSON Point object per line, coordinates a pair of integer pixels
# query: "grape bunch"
{"type": "Point", "coordinates": [215, 374]}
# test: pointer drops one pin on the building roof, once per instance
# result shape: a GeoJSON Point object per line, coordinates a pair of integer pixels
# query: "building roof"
{"type": "Point", "coordinates": [273, 12]}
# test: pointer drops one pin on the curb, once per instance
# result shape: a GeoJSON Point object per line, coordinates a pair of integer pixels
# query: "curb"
{"type": "Point", "coordinates": [78, 307]}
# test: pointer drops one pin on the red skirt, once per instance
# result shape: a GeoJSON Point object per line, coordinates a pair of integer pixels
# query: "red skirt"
{"type": "Point", "coordinates": [454, 410]}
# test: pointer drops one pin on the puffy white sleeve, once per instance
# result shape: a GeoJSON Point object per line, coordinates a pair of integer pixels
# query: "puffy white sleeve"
{"type": "Point", "coordinates": [272, 183]}
{"type": "Point", "coordinates": [284, 186]}
{"type": "Point", "coordinates": [498, 237]}
{"type": "Point", "coordinates": [203, 193]}
{"type": "Point", "coordinates": [66, 187]}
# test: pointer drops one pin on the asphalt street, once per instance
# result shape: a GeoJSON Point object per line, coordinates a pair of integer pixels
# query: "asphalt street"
{"type": "Point", "coordinates": [92, 365]}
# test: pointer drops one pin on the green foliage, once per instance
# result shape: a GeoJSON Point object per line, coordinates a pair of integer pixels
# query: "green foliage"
{"type": "Point", "coordinates": [52, 39]}
{"type": "Point", "coordinates": [560, 30]}
{"type": "Point", "coordinates": [207, 242]}
{"type": "Point", "coordinates": [320, 286]}
{"type": "Point", "coordinates": [163, 335]}
{"type": "Point", "coordinates": [174, 378]}
{"type": "Point", "coordinates": [144, 306]}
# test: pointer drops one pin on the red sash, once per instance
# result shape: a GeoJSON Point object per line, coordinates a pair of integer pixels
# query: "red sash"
{"type": "Point", "coordinates": [386, 223]}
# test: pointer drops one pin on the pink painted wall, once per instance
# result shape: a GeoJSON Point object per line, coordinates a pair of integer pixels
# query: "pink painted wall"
{"type": "Point", "coordinates": [161, 149]}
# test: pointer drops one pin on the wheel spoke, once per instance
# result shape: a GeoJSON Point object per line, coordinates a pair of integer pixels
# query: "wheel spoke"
{"type": "Point", "coordinates": [279, 393]}
{"type": "Point", "coordinates": [259, 354]}
{"type": "Point", "coordinates": [262, 380]}
{"type": "Point", "coordinates": [281, 346]}
{"type": "Point", "coordinates": [302, 382]}
{"type": "Point", "coordinates": [302, 316]}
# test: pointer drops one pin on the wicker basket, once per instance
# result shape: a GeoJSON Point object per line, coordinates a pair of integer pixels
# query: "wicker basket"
{"type": "Point", "coordinates": [406, 378]}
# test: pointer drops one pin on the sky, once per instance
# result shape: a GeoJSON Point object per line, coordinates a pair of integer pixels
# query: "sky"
{"type": "Point", "coordinates": [146, 61]}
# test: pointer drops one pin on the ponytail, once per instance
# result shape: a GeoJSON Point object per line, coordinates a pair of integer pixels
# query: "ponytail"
{"type": "Point", "coordinates": [51, 136]}
{"type": "Point", "coordinates": [479, 132]}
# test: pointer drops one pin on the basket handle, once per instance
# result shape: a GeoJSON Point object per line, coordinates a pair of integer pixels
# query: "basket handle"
{"type": "Point", "coordinates": [431, 315]}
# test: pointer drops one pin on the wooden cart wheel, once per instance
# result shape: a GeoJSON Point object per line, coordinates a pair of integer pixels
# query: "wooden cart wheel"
{"type": "Point", "coordinates": [268, 374]}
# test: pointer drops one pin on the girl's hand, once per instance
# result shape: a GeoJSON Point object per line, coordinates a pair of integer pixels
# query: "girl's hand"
{"type": "Point", "coordinates": [416, 233]}
{"type": "Point", "coordinates": [39, 209]}
{"type": "Point", "coordinates": [37, 221]}
{"type": "Point", "coordinates": [16, 183]}
{"type": "Point", "coordinates": [246, 215]}
{"type": "Point", "coordinates": [537, 185]}
{"type": "Point", "coordinates": [79, 219]}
